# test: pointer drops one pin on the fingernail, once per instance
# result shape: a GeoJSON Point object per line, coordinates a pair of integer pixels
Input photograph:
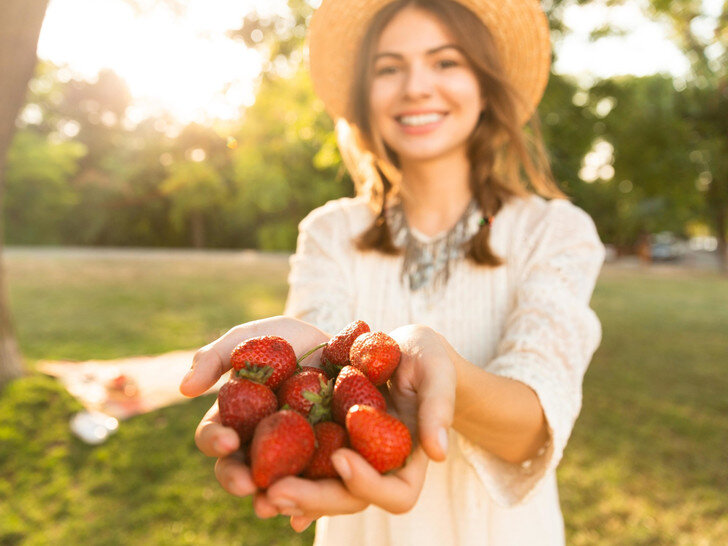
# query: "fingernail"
{"type": "Point", "coordinates": [287, 507]}
{"type": "Point", "coordinates": [302, 529]}
{"type": "Point", "coordinates": [224, 444]}
{"type": "Point", "coordinates": [235, 487]}
{"type": "Point", "coordinates": [442, 438]}
{"type": "Point", "coordinates": [186, 377]}
{"type": "Point", "coordinates": [342, 466]}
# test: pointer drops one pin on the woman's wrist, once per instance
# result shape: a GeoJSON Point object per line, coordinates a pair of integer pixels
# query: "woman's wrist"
{"type": "Point", "coordinates": [501, 415]}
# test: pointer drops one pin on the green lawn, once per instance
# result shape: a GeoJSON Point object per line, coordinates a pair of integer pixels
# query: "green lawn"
{"type": "Point", "coordinates": [646, 464]}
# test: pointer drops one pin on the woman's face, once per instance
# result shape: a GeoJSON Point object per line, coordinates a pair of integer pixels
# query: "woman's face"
{"type": "Point", "coordinates": [425, 98]}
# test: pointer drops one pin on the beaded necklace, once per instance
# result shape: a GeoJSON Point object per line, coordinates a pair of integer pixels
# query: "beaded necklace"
{"type": "Point", "coordinates": [427, 262]}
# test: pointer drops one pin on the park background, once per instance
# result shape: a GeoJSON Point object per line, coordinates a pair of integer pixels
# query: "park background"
{"type": "Point", "coordinates": [187, 195]}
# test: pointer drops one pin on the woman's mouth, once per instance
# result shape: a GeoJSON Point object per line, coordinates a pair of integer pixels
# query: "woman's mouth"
{"type": "Point", "coordinates": [420, 123]}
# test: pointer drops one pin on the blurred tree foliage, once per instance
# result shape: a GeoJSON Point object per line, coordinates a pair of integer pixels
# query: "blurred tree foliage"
{"type": "Point", "coordinates": [296, 170]}
{"type": "Point", "coordinates": [633, 152]}
{"type": "Point", "coordinates": [700, 30]}
{"type": "Point", "coordinates": [38, 197]}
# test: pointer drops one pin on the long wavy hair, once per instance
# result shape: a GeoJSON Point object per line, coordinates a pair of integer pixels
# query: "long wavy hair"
{"type": "Point", "coordinates": [507, 160]}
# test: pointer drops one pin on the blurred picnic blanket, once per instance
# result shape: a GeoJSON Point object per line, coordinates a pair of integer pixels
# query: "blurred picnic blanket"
{"type": "Point", "coordinates": [127, 386]}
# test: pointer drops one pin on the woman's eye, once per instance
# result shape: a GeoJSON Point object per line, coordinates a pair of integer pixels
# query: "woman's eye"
{"type": "Point", "coordinates": [446, 63]}
{"type": "Point", "coordinates": [385, 70]}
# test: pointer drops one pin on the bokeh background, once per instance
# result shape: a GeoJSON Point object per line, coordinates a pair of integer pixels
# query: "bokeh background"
{"type": "Point", "coordinates": [152, 143]}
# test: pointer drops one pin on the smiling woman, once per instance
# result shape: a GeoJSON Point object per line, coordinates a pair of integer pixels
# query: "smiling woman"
{"type": "Point", "coordinates": [453, 246]}
{"type": "Point", "coordinates": [441, 92]}
{"type": "Point", "coordinates": [184, 64]}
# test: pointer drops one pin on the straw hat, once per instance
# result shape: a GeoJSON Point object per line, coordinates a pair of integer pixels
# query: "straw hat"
{"type": "Point", "coordinates": [519, 27]}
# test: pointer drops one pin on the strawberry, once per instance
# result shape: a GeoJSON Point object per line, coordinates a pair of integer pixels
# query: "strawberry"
{"type": "Point", "coordinates": [353, 387]}
{"type": "Point", "coordinates": [377, 355]}
{"type": "Point", "coordinates": [267, 359]}
{"type": "Point", "coordinates": [314, 368]}
{"type": "Point", "coordinates": [309, 393]}
{"type": "Point", "coordinates": [330, 436]}
{"type": "Point", "coordinates": [336, 352]}
{"type": "Point", "coordinates": [243, 403]}
{"type": "Point", "coordinates": [382, 439]}
{"type": "Point", "coordinates": [283, 445]}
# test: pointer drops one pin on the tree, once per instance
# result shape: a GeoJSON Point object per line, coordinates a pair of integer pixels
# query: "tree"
{"type": "Point", "coordinates": [38, 195]}
{"type": "Point", "coordinates": [195, 188]}
{"type": "Point", "coordinates": [286, 163]}
{"type": "Point", "coordinates": [650, 180]}
{"type": "Point", "coordinates": [704, 40]}
{"type": "Point", "coordinates": [20, 24]}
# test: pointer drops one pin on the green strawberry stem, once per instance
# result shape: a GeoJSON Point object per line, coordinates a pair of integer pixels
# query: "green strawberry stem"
{"type": "Point", "coordinates": [250, 371]}
{"type": "Point", "coordinates": [300, 359]}
{"type": "Point", "coordinates": [332, 370]}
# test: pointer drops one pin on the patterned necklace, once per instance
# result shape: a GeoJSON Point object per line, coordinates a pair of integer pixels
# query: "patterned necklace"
{"type": "Point", "coordinates": [427, 263]}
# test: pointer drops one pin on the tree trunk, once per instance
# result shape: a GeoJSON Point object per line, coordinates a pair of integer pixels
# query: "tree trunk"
{"type": "Point", "coordinates": [197, 226]}
{"type": "Point", "coordinates": [20, 24]}
{"type": "Point", "coordinates": [720, 227]}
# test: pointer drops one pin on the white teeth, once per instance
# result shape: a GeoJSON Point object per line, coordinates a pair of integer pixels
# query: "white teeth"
{"type": "Point", "coordinates": [421, 119]}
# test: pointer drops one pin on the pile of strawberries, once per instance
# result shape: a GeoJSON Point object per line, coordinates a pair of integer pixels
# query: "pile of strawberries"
{"type": "Point", "coordinates": [291, 418]}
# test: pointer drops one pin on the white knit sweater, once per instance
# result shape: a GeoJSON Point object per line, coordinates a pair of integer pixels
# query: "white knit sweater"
{"type": "Point", "coordinates": [528, 320]}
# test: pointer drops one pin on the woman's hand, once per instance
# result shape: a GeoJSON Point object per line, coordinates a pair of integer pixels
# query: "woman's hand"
{"type": "Point", "coordinates": [213, 360]}
{"type": "Point", "coordinates": [421, 393]}
{"type": "Point", "coordinates": [210, 363]}
{"type": "Point", "coordinates": [423, 388]}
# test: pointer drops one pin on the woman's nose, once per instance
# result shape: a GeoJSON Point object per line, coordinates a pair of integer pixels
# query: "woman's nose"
{"type": "Point", "coordinates": [418, 82]}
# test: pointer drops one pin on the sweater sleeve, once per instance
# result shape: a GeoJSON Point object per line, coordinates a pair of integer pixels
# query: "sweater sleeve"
{"type": "Point", "coordinates": [548, 340]}
{"type": "Point", "coordinates": [320, 282]}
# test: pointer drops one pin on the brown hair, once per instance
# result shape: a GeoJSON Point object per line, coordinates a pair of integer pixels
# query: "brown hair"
{"type": "Point", "coordinates": [501, 152]}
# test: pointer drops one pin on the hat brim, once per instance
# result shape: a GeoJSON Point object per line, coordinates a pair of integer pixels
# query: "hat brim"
{"type": "Point", "coordinates": [519, 28]}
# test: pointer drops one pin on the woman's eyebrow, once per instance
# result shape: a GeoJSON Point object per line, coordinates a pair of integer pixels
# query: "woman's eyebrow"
{"type": "Point", "coordinates": [428, 52]}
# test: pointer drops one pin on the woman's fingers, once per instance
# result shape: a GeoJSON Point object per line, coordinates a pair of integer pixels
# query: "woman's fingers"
{"type": "Point", "coordinates": [208, 365]}
{"type": "Point", "coordinates": [301, 523]}
{"type": "Point", "coordinates": [427, 374]}
{"type": "Point", "coordinates": [301, 497]}
{"type": "Point", "coordinates": [436, 397]}
{"type": "Point", "coordinates": [263, 507]}
{"type": "Point", "coordinates": [213, 360]}
{"type": "Point", "coordinates": [234, 477]}
{"type": "Point", "coordinates": [396, 492]}
{"type": "Point", "coordinates": [213, 439]}
{"type": "Point", "coordinates": [362, 485]}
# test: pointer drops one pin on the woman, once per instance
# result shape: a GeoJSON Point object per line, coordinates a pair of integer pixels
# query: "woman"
{"type": "Point", "coordinates": [484, 284]}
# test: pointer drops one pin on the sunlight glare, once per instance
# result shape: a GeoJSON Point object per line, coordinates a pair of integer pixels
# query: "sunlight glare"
{"type": "Point", "coordinates": [646, 49]}
{"type": "Point", "coordinates": [185, 66]}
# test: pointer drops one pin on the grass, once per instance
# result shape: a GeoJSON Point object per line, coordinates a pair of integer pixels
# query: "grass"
{"type": "Point", "coordinates": [646, 463]}
{"type": "Point", "coordinates": [647, 460]}
{"type": "Point", "coordinates": [78, 306]}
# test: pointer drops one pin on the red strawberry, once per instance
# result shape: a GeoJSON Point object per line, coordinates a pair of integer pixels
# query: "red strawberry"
{"type": "Point", "coordinates": [283, 445]}
{"type": "Point", "coordinates": [336, 352]}
{"type": "Point", "coordinates": [383, 440]}
{"type": "Point", "coordinates": [377, 355]}
{"type": "Point", "coordinates": [309, 393]}
{"type": "Point", "coordinates": [314, 368]}
{"type": "Point", "coordinates": [330, 436]}
{"type": "Point", "coordinates": [267, 359]}
{"type": "Point", "coordinates": [353, 387]}
{"type": "Point", "coordinates": [243, 403]}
